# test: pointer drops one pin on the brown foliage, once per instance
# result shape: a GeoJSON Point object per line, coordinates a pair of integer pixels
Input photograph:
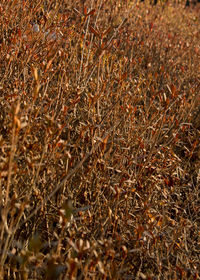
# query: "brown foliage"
{"type": "Point", "coordinates": [99, 140]}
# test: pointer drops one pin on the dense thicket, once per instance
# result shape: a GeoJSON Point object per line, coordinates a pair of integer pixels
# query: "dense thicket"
{"type": "Point", "coordinates": [99, 140]}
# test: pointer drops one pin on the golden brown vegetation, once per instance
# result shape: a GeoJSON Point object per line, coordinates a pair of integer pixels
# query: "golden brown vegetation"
{"type": "Point", "coordinates": [99, 140]}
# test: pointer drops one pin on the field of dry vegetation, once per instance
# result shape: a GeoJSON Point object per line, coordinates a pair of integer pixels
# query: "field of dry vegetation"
{"type": "Point", "coordinates": [99, 140]}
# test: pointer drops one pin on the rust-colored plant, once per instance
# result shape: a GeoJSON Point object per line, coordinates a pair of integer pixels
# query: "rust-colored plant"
{"type": "Point", "coordinates": [99, 140]}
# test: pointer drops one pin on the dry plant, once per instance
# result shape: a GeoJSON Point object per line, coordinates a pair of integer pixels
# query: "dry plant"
{"type": "Point", "coordinates": [99, 140]}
